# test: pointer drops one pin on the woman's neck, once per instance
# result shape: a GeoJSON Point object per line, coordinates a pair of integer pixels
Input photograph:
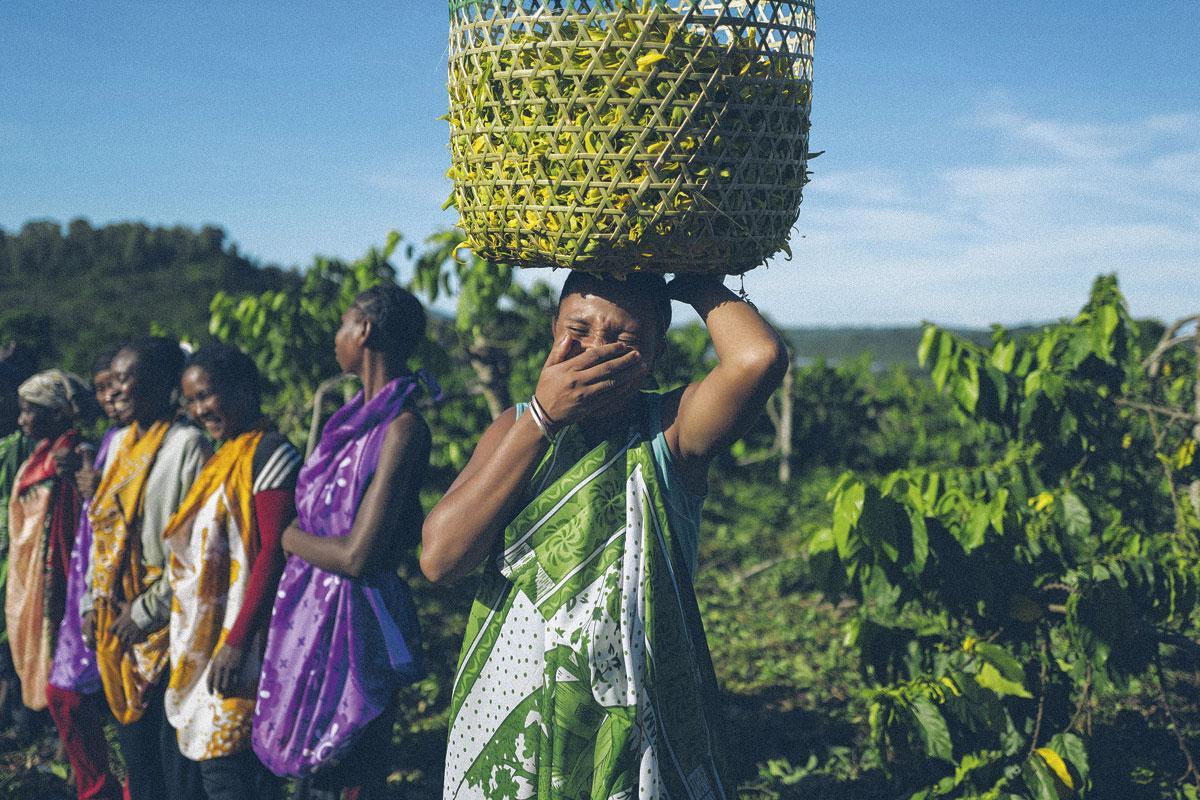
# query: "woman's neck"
{"type": "Point", "coordinates": [598, 429]}
{"type": "Point", "coordinates": [145, 421]}
{"type": "Point", "coordinates": [54, 434]}
{"type": "Point", "coordinates": [376, 372]}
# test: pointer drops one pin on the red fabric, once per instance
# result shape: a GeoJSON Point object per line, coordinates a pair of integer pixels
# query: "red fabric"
{"type": "Point", "coordinates": [274, 509]}
{"type": "Point", "coordinates": [80, 722]}
{"type": "Point", "coordinates": [41, 465]}
{"type": "Point", "coordinates": [64, 516]}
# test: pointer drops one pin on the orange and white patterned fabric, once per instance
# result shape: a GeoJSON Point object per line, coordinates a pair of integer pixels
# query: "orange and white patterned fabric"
{"type": "Point", "coordinates": [212, 542]}
{"type": "Point", "coordinates": [28, 627]}
{"type": "Point", "coordinates": [119, 575]}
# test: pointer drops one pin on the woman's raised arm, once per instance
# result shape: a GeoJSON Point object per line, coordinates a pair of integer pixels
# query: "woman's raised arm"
{"type": "Point", "coordinates": [752, 359]}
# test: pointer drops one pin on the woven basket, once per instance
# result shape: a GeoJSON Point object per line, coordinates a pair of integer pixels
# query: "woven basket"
{"type": "Point", "coordinates": [621, 135]}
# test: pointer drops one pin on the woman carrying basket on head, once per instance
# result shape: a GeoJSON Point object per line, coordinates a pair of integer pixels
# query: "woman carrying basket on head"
{"type": "Point", "coordinates": [584, 670]}
{"type": "Point", "coordinates": [343, 634]}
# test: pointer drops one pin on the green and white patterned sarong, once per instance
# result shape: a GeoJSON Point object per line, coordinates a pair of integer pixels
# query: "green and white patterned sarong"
{"type": "Point", "coordinates": [584, 671]}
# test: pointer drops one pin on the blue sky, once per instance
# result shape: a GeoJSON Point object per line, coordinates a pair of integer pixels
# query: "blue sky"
{"type": "Point", "coordinates": [984, 161]}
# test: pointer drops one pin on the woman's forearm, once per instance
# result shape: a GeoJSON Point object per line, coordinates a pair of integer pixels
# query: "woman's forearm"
{"type": "Point", "coordinates": [751, 361]}
{"type": "Point", "coordinates": [462, 528]}
{"type": "Point", "coordinates": [330, 553]}
{"type": "Point", "coordinates": [741, 337]}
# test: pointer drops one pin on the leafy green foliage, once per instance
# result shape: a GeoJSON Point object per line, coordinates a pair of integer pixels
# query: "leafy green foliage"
{"type": "Point", "coordinates": [997, 594]}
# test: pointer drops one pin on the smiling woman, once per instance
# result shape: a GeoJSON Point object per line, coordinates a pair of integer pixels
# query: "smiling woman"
{"type": "Point", "coordinates": [127, 606]}
{"type": "Point", "coordinates": [221, 391]}
{"type": "Point", "coordinates": [224, 543]}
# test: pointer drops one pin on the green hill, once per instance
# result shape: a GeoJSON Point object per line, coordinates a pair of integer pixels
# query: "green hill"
{"type": "Point", "coordinates": [886, 346]}
{"type": "Point", "coordinates": [68, 294]}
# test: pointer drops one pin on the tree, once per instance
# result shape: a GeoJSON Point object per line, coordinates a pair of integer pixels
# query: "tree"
{"type": "Point", "coordinates": [493, 312]}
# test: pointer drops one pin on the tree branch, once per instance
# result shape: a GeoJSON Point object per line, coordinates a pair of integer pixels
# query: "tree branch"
{"type": "Point", "coordinates": [1041, 706]}
{"type": "Point", "coordinates": [758, 569]}
{"type": "Point", "coordinates": [1162, 411]}
{"type": "Point", "coordinates": [1179, 737]}
{"type": "Point", "coordinates": [1170, 339]}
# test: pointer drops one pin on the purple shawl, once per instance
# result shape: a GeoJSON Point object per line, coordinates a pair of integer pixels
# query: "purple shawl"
{"type": "Point", "coordinates": [337, 647]}
{"type": "Point", "coordinates": [74, 666]}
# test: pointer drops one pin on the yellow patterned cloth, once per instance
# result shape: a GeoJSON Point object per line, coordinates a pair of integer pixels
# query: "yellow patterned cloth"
{"type": "Point", "coordinates": [212, 542]}
{"type": "Point", "coordinates": [119, 576]}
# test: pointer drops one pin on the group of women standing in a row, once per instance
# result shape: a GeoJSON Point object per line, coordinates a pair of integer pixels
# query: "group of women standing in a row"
{"type": "Point", "coordinates": [242, 615]}
{"type": "Point", "coordinates": [154, 580]}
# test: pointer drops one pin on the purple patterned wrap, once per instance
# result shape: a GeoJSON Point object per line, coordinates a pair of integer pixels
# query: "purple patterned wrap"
{"type": "Point", "coordinates": [337, 647]}
{"type": "Point", "coordinates": [74, 666]}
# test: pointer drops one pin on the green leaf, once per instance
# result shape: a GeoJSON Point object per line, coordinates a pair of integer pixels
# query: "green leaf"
{"type": "Point", "coordinates": [1033, 383]}
{"type": "Point", "coordinates": [1076, 517]}
{"type": "Point", "coordinates": [974, 532]}
{"type": "Point", "coordinates": [1003, 355]}
{"type": "Point", "coordinates": [1002, 660]}
{"type": "Point", "coordinates": [932, 727]}
{"type": "Point", "coordinates": [1038, 780]}
{"type": "Point", "coordinates": [996, 510]}
{"type": "Point", "coordinates": [1106, 322]}
{"type": "Point", "coordinates": [1045, 351]}
{"type": "Point", "coordinates": [1000, 671]}
{"type": "Point", "coordinates": [947, 360]}
{"type": "Point", "coordinates": [920, 541]}
{"type": "Point", "coordinates": [966, 388]}
{"type": "Point", "coordinates": [989, 677]}
{"type": "Point", "coordinates": [846, 511]}
{"type": "Point", "coordinates": [927, 340]}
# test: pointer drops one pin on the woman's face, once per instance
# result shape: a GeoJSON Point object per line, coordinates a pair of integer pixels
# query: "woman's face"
{"type": "Point", "coordinates": [221, 416]}
{"type": "Point", "coordinates": [101, 383]}
{"type": "Point", "coordinates": [38, 422]}
{"type": "Point", "coordinates": [125, 396]}
{"type": "Point", "coordinates": [592, 320]}
{"type": "Point", "coordinates": [350, 339]}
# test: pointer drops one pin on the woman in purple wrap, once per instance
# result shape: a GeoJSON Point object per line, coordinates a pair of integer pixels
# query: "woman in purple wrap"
{"type": "Point", "coordinates": [74, 693]}
{"type": "Point", "coordinates": [343, 635]}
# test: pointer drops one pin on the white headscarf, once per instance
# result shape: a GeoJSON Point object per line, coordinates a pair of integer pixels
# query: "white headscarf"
{"type": "Point", "coordinates": [56, 390]}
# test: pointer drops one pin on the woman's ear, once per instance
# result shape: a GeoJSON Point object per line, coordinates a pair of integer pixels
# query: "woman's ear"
{"type": "Point", "coordinates": [365, 329]}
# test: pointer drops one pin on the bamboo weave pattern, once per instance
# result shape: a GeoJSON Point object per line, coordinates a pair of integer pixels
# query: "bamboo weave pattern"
{"type": "Point", "coordinates": [618, 135]}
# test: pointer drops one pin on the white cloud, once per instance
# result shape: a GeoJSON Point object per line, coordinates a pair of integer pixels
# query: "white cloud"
{"type": "Point", "coordinates": [1011, 237]}
{"type": "Point", "coordinates": [862, 185]}
{"type": "Point", "coordinates": [1072, 140]}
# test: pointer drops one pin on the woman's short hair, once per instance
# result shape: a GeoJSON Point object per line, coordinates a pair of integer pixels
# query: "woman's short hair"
{"type": "Point", "coordinates": [103, 360]}
{"type": "Point", "coordinates": [397, 319]}
{"type": "Point", "coordinates": [648, 287]}
{"type": "Point", "coordinates": [230, 371]}
{"type": "Point", "coordinates": [160, 363]}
